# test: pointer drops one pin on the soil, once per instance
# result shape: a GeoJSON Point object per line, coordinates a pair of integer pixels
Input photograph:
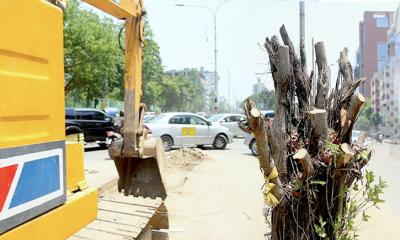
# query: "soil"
{"type": "Point", "coordinates": [185, 158]}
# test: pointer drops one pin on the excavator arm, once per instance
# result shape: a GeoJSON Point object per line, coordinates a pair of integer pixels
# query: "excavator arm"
{"type": "Point", "coordinates": [139, 160]}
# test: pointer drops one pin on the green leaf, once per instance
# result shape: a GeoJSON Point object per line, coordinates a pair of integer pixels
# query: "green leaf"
{"type": "Point", "coordinates": [318, 182]}
{"type": "Point", "coordinates": [365, 217]}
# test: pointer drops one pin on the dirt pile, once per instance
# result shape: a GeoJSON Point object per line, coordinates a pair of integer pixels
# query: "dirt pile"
{"type": "Point", "coordinates": [184, 158]}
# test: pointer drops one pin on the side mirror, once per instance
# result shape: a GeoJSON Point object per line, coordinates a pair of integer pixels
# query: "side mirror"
{"type": "Point", "coordinates": [209, 123]}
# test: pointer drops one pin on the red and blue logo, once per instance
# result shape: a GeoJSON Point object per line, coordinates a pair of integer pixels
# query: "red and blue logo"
{"type": "Point", "coordinates": [30, 180]}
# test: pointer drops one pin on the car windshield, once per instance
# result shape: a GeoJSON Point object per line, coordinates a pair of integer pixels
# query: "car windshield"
{"type": "Point", "coordinates": [147, 118]}
{"type": "Point", "coordinates": [215, 117]}
{"type": "Point", "coordinates": [157, 118]}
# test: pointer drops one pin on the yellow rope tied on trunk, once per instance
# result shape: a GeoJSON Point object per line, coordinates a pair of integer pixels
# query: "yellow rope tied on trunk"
{"type": "Point", "coordinates": [269, 198]}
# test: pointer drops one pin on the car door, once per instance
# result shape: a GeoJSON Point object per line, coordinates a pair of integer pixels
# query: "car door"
{"type": "Point", "coordinates": [202, 130]}
{"type": "Point", "coordinates": [85, 120]}
{"type": "Point", "coordinates": [239, 132]}
{"type": "Point", "coordinates": [181, 130]}
{"type": "Point", "coordinates": [102, 123]}
{"type": "Point", "coordinates": [188, 131]}
{"type": "Point", "coordinates": [233, 125]}
{"type": "Point", "coordinates": [230, 123]}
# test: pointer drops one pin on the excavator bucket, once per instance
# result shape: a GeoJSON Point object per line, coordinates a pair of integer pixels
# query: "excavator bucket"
{"type": "Point", "coordinates": [141, 176]}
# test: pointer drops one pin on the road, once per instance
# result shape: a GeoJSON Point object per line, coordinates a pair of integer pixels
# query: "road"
{"type": "Point", "coordinates": [99, 168]}
{"type": "Point", "coordinates": [385, 222]}
{"type": "Point", "coordinates": [221, 197]}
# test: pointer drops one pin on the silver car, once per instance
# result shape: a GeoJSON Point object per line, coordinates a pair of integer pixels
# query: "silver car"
{"type": "Point", "coordinates": [250, 141]}
{"type": "Point", "coordinates": [187, 129]}
{"type": "Point", "coordinates": [229, 120]}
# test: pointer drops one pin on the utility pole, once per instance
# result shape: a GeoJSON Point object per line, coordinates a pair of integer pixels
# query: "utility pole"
{"type": "Point", "coordinates": [214, 14]}
{"type": "Point", "coordinates": [302, 21]}
{"type": "Point", "coordinates": [229, 89]}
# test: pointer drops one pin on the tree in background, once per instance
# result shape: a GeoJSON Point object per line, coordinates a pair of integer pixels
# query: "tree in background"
{"type": "Point", "coordinates": [152, 71]}
{"type": "Point", "coordinates": [183, 92]}
{"type": "Point", "coordinates": [94, 66]}
{"type": "Point", "coordinates": [265, 99]}
{"type": "Point", "coordinates": [368, 120]}
{"type": "Point", "coordinates": [92, 58]}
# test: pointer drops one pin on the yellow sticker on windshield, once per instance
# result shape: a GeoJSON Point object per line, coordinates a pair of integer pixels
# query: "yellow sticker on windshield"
{"type": "Point", "coordinates": [188, 131]}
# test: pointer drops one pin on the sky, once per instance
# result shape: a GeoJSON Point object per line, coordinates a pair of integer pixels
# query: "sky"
{"type": "Point", "coordinates": [186, 35]}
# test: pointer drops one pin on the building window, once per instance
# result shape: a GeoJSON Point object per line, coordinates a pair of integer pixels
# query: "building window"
{"type": "Point", "coordinates": [381, 21]}
{"type": "Point", "coordinates": [382, 51]}
{"type": "Point", "coordinates": [381, 54]}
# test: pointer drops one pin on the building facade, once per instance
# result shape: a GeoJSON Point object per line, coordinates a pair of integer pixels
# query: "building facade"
{"type": "Point", "coordinates": [209, 81]}
{"type": "Point", "coordinates": [372, 53]}
{"type": "Point", "coordinates": [385, 84]}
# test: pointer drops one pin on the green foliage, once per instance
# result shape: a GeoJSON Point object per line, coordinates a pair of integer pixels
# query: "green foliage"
{"type": "Point", "coordinates": [371, 191]}
{"type": "Point", "coordinates": [94, 66]}
{"type": "Point", "coordinates": [320, 228]}
{"type": "Point", "coordinates": [368, 120]}
{"type": "Point", "coordinates": [332, 148]}
{"type": "Point", "coordinates": [152, 83]}
{"type": "Point", "coordinates": [182, 92]}
{"type": "Point", "coordinates": [265, 99]}
{"type": "Point", "coordinates": [92, 58]}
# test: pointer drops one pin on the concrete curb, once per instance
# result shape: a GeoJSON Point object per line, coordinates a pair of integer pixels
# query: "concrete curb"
{"type": "Point", "coordinates": [391, 141]}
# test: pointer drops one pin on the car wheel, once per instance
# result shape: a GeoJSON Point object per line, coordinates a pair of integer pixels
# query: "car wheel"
{"type": "Point", "coordinates": [72, 130]}
{"type": "Point", "coordinates": [220, 142]}
{"type": "Point", "coordinates": [168, 142]}
{"type": "Point", "coordinates": [253, 147]}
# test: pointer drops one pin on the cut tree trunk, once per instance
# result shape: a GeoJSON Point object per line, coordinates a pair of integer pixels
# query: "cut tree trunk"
{"type": "Point", "coordinates": [309, 145]}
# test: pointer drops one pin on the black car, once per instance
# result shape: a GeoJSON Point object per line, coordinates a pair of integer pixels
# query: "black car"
{"type": "Point", "coordinates": [92, 122]}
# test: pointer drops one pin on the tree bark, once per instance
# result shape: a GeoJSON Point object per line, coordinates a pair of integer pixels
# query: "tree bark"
{"type": "Point", "coordinates": [305, 160]}
{"type": "Point", "coordinates": [319, 130]}
{"type": "Point", "coordinates": [324, 76]}
{"type": "Point", "coordinates": [357, 100]}
{"type": "Point", "coordinates": [278, 143]}
{"type": "Point", "coordinates": [316, 166]}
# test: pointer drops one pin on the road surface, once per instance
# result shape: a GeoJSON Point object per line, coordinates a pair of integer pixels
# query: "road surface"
{"type": "Point", "coordinates": [221, 197]}
{"type": "Point", "coordinates": [99, 168]}
{"type": "Point", "coordinates": [385, 223]}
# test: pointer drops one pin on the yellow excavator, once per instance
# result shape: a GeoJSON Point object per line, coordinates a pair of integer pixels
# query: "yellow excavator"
{"type": "Point", "coordinates": [43, 192]}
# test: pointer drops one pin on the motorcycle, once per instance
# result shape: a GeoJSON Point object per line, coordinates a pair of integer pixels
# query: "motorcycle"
{"type": "Point", "coordinates": [111, 137]}
{"type": "Point", "coordinates": [379, 137]}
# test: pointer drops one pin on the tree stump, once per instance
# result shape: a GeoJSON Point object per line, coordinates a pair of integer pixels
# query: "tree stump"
{"type": "Point", "coordinates": [307, 158]}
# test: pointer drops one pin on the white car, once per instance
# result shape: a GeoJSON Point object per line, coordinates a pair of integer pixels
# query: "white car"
{"type": "Point", "coordinates": [250, 140]}
{"type": "Point", "coordinates": [229, 120]}
{"type": "Point", "coordinates": [187, 129]}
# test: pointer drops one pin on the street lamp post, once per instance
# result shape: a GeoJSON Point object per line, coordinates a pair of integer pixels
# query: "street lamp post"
{"type": "Point", "coordinates": [214, 14]}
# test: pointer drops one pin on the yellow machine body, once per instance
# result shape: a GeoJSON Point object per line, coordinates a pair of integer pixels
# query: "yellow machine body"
{"type": "Point", "coordinates": [43, 193]}
{"type": "Point", "coordinates": [42, 185]}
